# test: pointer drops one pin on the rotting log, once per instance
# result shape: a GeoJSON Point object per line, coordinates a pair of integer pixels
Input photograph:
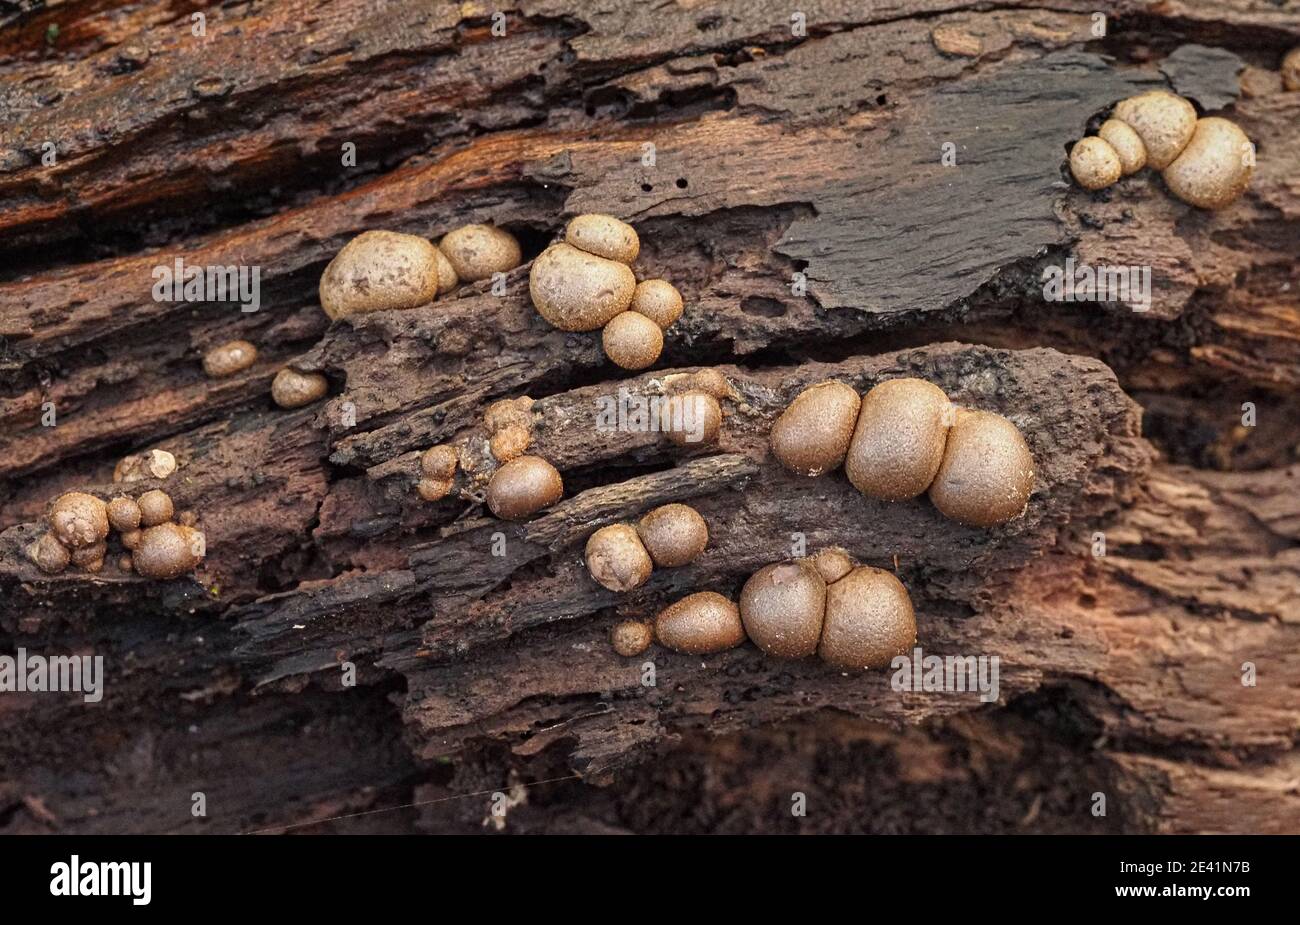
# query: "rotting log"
{"type": "Point", "coordinates": [774, 154]}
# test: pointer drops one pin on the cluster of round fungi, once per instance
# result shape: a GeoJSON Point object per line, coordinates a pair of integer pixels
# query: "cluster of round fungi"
{"type": "Point", "coordinates": [850, 616]}
{"type": "Point", "coordinates": [385, 271]}
{"type": "Point", "coordinates": [1206, 162]}
{"type": "Point", "coordinates": [78, 526]}
{"type": "Point", "coordinates": [586, 282]}
{"type": "Point", "coordinates": [903, 438]}
{"type": "Point", "coordinates": [621, 557]}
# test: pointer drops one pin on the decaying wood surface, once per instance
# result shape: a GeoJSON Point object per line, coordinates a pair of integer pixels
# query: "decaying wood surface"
{"type": "Point", "coordinates": [774, 154]}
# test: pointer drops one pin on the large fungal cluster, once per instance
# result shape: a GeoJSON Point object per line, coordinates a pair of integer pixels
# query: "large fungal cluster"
{"type": "Point", "coordinates": [1206, 162]}
{"type": "Point", "coordinates": [78, 529]}
{"type": "Point", "coordinates": [585, 283]}
{"type": "Point", "coordinates": [850, 616]}
{"type": "Point", "coordinates": [905, 438]}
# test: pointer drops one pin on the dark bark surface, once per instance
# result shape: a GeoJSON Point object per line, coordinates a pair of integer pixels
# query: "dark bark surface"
{"type": "Point", "coordinates": [773, 155]}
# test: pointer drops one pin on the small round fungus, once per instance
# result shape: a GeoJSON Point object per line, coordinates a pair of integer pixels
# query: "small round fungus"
{"type": "Point", "coordinates": [782, 607]}
{"type": "Point", "coordinates": [658, 300]}
{"type": "Point", "coordinates": [812, 435]}
{"type": "Point", "coordinates": [673, 534]}
{"type": "Point", "coordinates": [577, 291]}
{"type": "Point", "coordinates": [447, 277]}
{"type": "Point", "coordinates": [232, 357]}
{"type": "Point", "coordinates": [439, 462]}
{"type": "Point", "coordinates": [605, 236]}
{"type": "Point", "coordinates": [91, 558]}
{"type": "Point", "coordinates": [79, 519]}
{"type": "Point", "coordinates": [478, 251]}
{"type": "Point", "coordinates": [632, 340]}
{"type": "Point", "coordinates": [987, 472]}
{"type": "Point", "coordinates": [692, 419]}
{"type": "Point", "coordinates": [833, 563]}
{"type": "Point", "coordinates": [1127, 144]}
{"type": "Point", "coordinates": [631, 637]}
{"type": "Point", "coordinates": [155, 464]}
{"type": "Point", "coordinates": [869, 620]}
{"type": "Point", "coordinates": [155, 508]}
{"type": "Point", "coordinates": [1163, 121]}
{"type": "Point", "coordinates": [1215, 167]}
{"type": "Point", "coordinates": [617, 559]}
{"type": "Point", "coordinates": [433, 489]}
{"type": "Point", "coordinates": [1094, 163]}
{"type": "Point", "coordinates": [509, 442]}
{"type": "Point", "coordinates": [1291, 69]}
{"type": "Point", "coordinates": [294, 389]}
{"type": "Point", "coordinates": [131, 538]}
{"type": "Point", "coordinates": [700, 624]}
{"type": "Point", "coordinates": [523, 487]}
{"type": "Point", "coordinates": [168, 551]}
{"type": "Point", "coordinates": [379, 271]}
{"type": "Point", "coordinates": [898, 442]}
{"type": "Point", "coordinates": [123, 514]}
{"type": "Point", "coordinates": [49, 554]}
{"type": "Point", "coordinates": [709, 381]}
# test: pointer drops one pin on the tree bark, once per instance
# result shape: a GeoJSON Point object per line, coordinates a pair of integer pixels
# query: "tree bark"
{"type": "Point", "coordinates": [1159, 555]}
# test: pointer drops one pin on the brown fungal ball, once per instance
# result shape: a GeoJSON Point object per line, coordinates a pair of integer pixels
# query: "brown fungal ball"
{"type": "Point", "coordinates": [232, 357]}
{"type": "Point", "coordinates": [433, 489]}
{"type": "Point", "coordinates": [812, 435]}
{"type": "Point", "coordinates": [577, 291]}
{"type": "Point", "coordinates": [605, 236]}
{"type": "Point", "coordinates": [692, 419]}
{"type": "Point", "coordinates": [123, 515]}
{"type": "Point", "coordinates": [49, 555]}
{"type": "Point", "coordinates": [631, 637]}
{"type": "Point", "coordinates": [155, 508]}
{"type": "Point", "coordinates": [510, 442]}
{"type": "Point", "coordinates": [478, 251]}
{"type": "Point", "coordinates": [125, 563]}
{"type": "Point", "coordinates": [168, 551]}
{"type": "Point", "coordinates": [294, 389]}
{"type": "Point", "coordinates": [700, 624]}
{"type": "Point", "coordinates": [88, 556]}
{"type": "Point", "coordinates": [78, 519]}
{"type": "Point", "coordinates": [782, 607]}
{"type": "Point", "coordinates": [447, 276]}
{"type": "Point", "coordinates": [869, 620]}
{"type": "Point", "coordinates": [1291, 69]}
{"type": "Point", "coordinates": [987, 472]}
{"type": "Point", "coordinates": [898, 442]}
{"type": "Point", "coordinates": [617, 559]}
{"type": "Point", "coordinates": [673, 534]}
{"type": "Point", "coordinates": [833, 563]}
{"type": "Point", "coordinates": [1163, 121]}
{"type": "Point", "coordinates": [709, 381]}
{"type": "Point", "coordinates": [632, 340]}
{"type": "Point", "coordinates": [509, 412]}
{"type": "Point", "coordinates": [155, 464]}
{"type": "Point", "coordinates": [131, 538]}
{"type": "Point", "coordinates": [522, 487]}
{"type": "Point", "coordinates": [658, 300]}
{"type": "Point", "coordinates": [1127, 144]}
{"type": "Point", "coordinates": [1094, 163]}
{"type": "Point", "coordinates": [1215, 167]}
{"type": "Point", "coordinates": [379, 271]}
{"type": "Point", "coordinates": [439, 462]}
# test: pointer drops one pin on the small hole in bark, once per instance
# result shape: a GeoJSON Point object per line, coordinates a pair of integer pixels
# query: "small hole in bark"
{"type": "Point", "coordinates": [646, 187]}
{"type": "Point", "coordinates": [708, 23]}
{"type": "Point", "coordinates": [681, 183]}
{"type": "Point", "coordinates": [761, 306]}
